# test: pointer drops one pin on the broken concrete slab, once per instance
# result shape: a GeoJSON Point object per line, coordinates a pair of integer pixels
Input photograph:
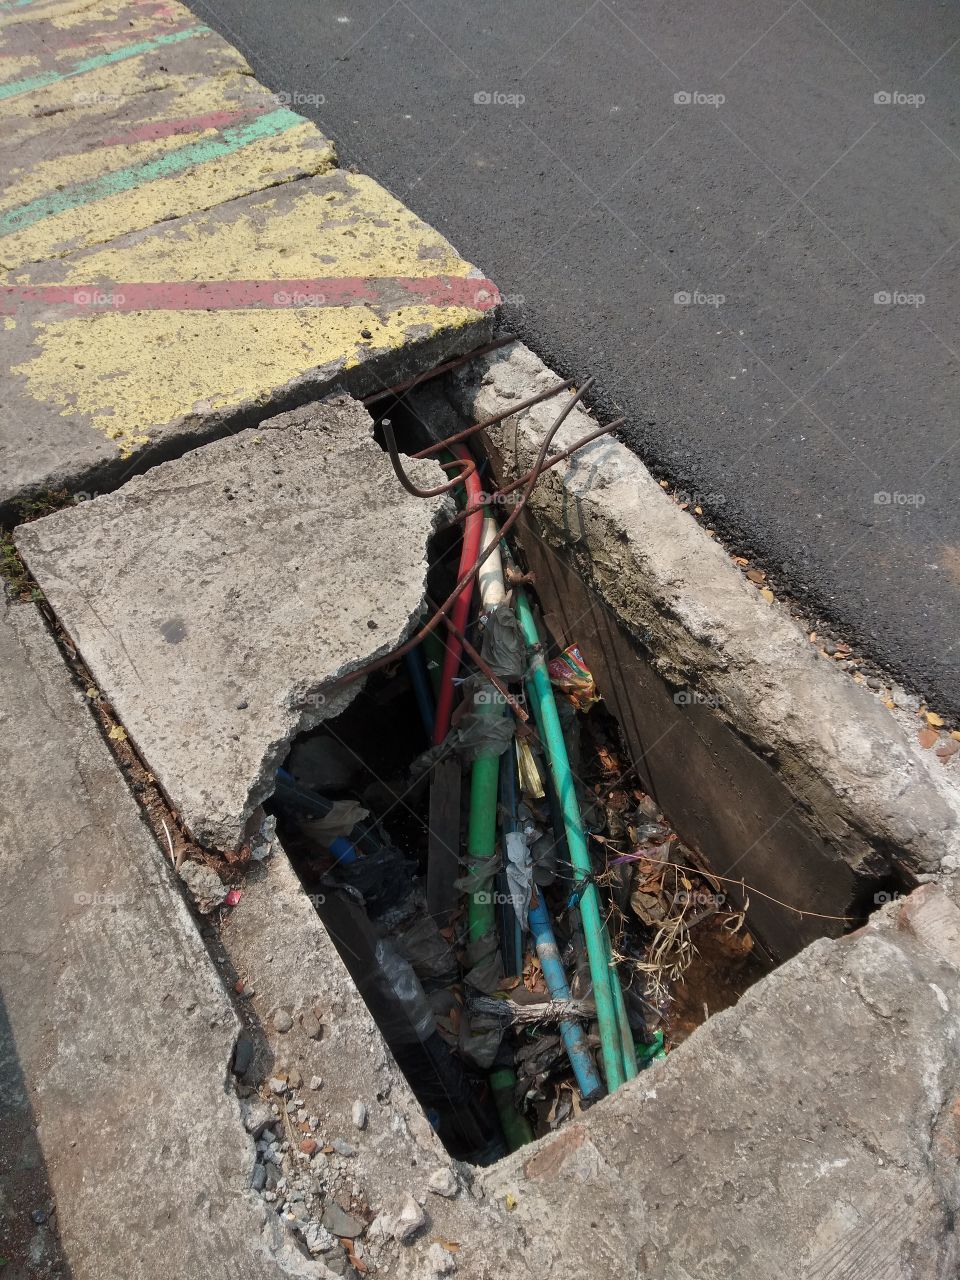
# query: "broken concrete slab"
{"type": "Point", "coordinates": [216, 598]}
{"type": "Point", "coordinates": [811, 1131]}
{"type": "Point", "coordinates": [117, 1032]}
{"type": "Point", "coordinates": [719, 647]}
{"type": "Point", "coordinates": [277, 297]}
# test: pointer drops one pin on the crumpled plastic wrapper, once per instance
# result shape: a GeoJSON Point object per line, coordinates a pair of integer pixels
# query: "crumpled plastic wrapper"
{"type": "Point", "coordinates": [502, 647]}
{"type": "Point", "coordinates": [571, 676]}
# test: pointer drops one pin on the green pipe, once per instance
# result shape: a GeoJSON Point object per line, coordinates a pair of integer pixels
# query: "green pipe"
{"type": "Point", "coordinates": [516, 1127]}
{"type": "Point", "coordinates": [481, 862]}
{"type": "Point", "coordinates": [482, 836]}
{"type": "Point", "coordinates": [630, 1068]}
{"type": "Point", "coordinates": [617, 1065]}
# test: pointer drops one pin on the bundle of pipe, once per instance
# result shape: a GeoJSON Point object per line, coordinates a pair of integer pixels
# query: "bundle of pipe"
{"type": "Point", "coordinates": [482, 844]}
{"type": "Point", "coordinates": [616, 1040]}
{"type": "Point", "coordinates": [469, 553]}
{"type": "Point", "coordinates": [541, 929]}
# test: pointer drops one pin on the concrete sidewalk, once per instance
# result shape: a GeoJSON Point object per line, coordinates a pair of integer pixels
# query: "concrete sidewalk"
{"type": "Point", "coordinates": [179, 254]}
{"type": "Point", "coordinates": [119, 1134]}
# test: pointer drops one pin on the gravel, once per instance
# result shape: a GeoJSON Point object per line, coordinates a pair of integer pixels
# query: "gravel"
{"type": "Point", "coordinates": [340, 1223]}
{"type": "Point", "coordinates": [311, 1025]}
{"type": "Point", "coordinates": [443, 1182]}
{"type": "Point", "coordinates": [282, 1021]}
{"type": "Point", "coordinates": [408, 1221]}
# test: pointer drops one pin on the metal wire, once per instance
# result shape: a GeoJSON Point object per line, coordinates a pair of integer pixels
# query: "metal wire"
{"type": "Point", "coordinates": [470, 576]}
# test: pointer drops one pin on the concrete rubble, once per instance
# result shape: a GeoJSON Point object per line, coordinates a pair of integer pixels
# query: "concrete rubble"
{"type": "Point", "coordinates": [218, 597]}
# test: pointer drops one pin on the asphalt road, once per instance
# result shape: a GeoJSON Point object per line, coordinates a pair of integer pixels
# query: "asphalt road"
{"type": "Point", "coordinates": [603, 160]}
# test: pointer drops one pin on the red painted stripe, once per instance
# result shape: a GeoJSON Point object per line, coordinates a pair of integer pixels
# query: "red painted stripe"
{"type": "Point", "coordinates": [95, 38]}
{"type": "Point", "coordinates": [185, 124]}
{"type": "Point", "coordinates": [388, 292]}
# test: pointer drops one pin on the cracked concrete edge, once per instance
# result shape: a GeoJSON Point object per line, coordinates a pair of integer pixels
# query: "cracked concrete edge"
{"type": "Point", "coordinates": [725, 1161]}
{"type": "Point", "coordinates": [82, 559]}
{"type": "Point", "coordinates": [84, 478]}
{"type": "Point", "coordinates": [705, 627]}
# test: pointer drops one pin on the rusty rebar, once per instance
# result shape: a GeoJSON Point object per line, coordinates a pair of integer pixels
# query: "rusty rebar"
{"type": "Point", "coordinates": [470, 576]}
{"type": "Point", "coordinates": [398, 388]}
{"type": "Point", "coordinates": [494, 419]}
{"type": "Point", "coordinates": [468, 467]}
{"type": "Point", "coordinates": [550, 462]}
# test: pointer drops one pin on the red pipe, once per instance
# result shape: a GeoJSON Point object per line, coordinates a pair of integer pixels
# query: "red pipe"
{"type": "Point", "coordinates": [460, 613]}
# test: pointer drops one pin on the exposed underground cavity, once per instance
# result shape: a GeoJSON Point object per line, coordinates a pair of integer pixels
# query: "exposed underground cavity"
{"type": "Point", "coordinates": [537, 884]}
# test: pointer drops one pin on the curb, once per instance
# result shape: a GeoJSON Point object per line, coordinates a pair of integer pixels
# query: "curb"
{"type": "Point", "coordinates": [842, 753]}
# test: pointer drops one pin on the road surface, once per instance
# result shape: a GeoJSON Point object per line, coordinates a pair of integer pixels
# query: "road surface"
{"type": "Point", "coordinates": [741, 215]}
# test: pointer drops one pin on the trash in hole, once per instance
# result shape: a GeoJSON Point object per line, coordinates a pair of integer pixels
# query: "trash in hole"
{"type": "Point", "coordinates": [516, 913]}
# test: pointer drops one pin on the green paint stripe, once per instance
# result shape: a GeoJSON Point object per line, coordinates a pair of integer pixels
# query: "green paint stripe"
{"type": "Point", "coordinates": [166, 166]}
{"type": "Point", "coordinates": [94, 64]}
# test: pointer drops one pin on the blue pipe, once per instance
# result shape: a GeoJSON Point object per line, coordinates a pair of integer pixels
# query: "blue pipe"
{"type": "Point", "coordinates": [572, 1033]}
{"type": "Point", "coordinates": [541, 929]}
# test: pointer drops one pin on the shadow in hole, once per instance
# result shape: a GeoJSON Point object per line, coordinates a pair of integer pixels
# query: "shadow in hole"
{"type": "Point", "coordinates": [28, 1247]}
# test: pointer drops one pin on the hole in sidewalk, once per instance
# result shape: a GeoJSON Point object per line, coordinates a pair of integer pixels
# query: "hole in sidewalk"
{"type": "Point", "coordinates": [518, 906]}
{"type": "Point", "coordinates": [378, 841]}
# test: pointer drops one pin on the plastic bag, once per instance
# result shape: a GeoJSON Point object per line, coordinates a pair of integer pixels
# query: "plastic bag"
{"type": "Point", "coordinates": [571, 676]}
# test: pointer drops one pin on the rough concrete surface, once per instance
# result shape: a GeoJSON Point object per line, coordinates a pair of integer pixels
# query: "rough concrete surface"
{"type": "Point", "coordinates": [217, 597]}
{"type": "Point", "coordinates": [277, 297]}
{"type": "Point", "coordinates": [165, 147]}
{"type": "Point", "coordinates": [711, 632]}
{"type": "Point", "coordinates": [283, 955]}
{"type": "Point", "coordinates": [812, 1131]}
{"type": "Point", "coordinates": [117, 1032]}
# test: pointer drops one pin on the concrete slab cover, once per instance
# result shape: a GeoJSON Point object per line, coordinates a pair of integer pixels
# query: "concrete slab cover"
{"type": "Point", "coordinates": [216, 597]}
{"type": "Point", "coordinates": [117, 1033]}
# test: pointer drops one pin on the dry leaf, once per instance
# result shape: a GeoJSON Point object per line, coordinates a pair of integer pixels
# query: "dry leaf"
{"type": "Point", "coordinates": [742, 561]}
{"type": "Point", "coordinates": [664, 484]}
{"type": "Point", "coordinates": [756, 575]}
{"type": "Point", "coordinates": [767, 595]}
{"type": "Point", "coordinates": [955, 733]}
{"type": "Point", "coordinates": [118, 733]}
{"type": "Point", "coordinates": [510, 1200]}
{"type": "Point", "coordinates": [927, 738]}
{"type": "Point", "coordinates": [698, 510]}
{"type": "Point", "coordinates": [890, 704]}
{"type": "Point", "coordinates": [935, 720]}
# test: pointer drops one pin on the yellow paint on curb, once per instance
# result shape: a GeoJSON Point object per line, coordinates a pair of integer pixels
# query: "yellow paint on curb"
{"type": "Point", "coordinates": [298, 152]}
{"type": "Point", "coordinates": [349, 227]}
{"type": "Point", "coordinates": [125, 372]}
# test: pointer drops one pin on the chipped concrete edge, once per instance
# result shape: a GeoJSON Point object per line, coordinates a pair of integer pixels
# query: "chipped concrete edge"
{"type": "Point", "coordinates": [705, 627]}
{"type": "Point", "coordinates": [191, 431]}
